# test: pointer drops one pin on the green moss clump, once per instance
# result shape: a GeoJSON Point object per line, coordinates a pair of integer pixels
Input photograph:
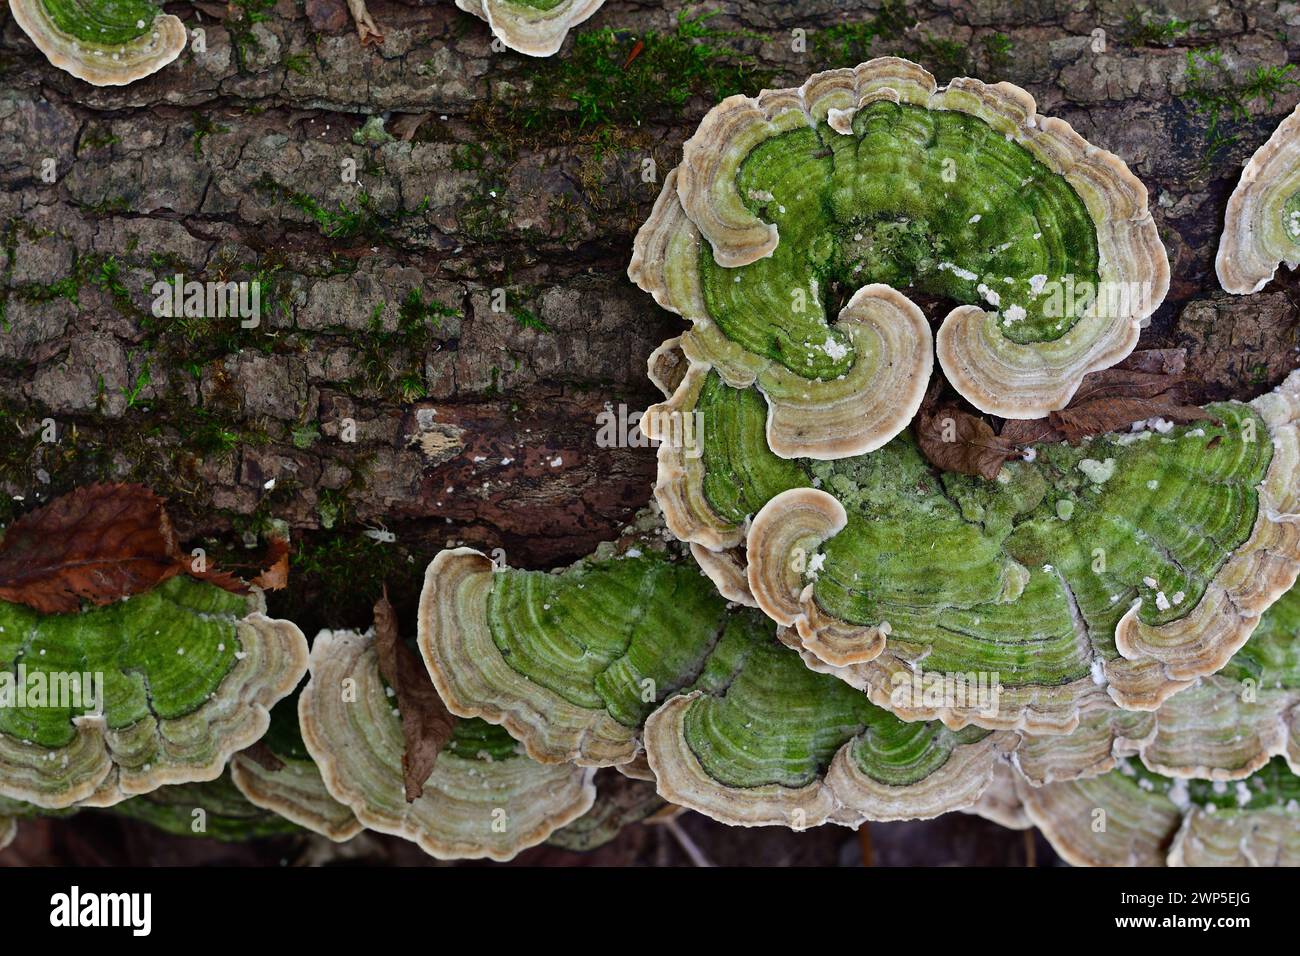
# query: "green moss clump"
{"type": "Point", "coordinates": [610, 78]}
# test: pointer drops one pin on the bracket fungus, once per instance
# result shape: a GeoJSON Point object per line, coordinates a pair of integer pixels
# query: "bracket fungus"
{"type": "Point", "coordinates": [1131, 564]}
{"type": "Point", "coordinates": [160, 688]}
{"type": "Point", "coordinates": [532, 27]}
{"type": "Point", "coordinates": [1132, 817]}
{"type": "Point", "coordinates": [226, 813]}
{"type": "Point", "coordinates": [623, 651]}
{"type": "Point", "coordinates": [104, 42]}
{"type": "Point", "coordinates": [571, 664]}
{"type": "Point", "coordinates": [1000, 802]}
{"type": "Point", "coordinates": [791, 201]}
{"type": "Point", "coordinates": [1226, 726]}
{"type": "Point", "coordinates": [620, 801]}
{"type": "Point", "coordinates": [281, 777]}
{"type": "Point", "coordinates": [1261, 229]}
{"type": "Point", "coordinates": [483, 798]}
{"type": "Point", "coordinates": [760, 740]}
{"type": "Point", "coordinates": [211, 808]}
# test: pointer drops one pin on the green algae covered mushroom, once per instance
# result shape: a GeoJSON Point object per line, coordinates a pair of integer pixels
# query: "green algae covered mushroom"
{"type": "Point", "coordinates": [285, 780]}
{"type": "Point", "coordinates": [1132, 564]}
{"type": "Point", "coordinates": [759, 739]}
{"type": "Point", "coordinates": [1262, 227]}
{"type": "Point", "coordinates": [1224, 727]}
{"type": "Point", "coordinates": [483, 799]}
{"type": "Point", "coordinates": [533, 27]}
{"type": "Point", "coordinates": [160, 688]}
{"type": "Point", "coordinates": [104, 42]}
{"type": "Point", "coordinates": [792, 208]}
{"type": "Point", "coordinates": [211, 808]}
{"type": "Point", "coordinates": [1132, 817]}
{"type": "Point", "coordinates": [636, 649]}
{"type": "Point", "coordinates": [571, 664]}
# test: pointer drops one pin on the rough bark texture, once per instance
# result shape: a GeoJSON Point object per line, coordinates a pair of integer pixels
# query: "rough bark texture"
{"type": "Point", "coordinates": [475, 409]}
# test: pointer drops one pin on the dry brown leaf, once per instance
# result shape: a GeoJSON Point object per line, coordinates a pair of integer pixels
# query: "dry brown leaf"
{"type": "Point", "coordinates": [368, 32]}
{"type": "Point", "coordinates": [1029, 431]}
{"type": "Point", "coordinates": [273, 573]}
{"type": "Point", "coordinates": [1110, 414]}
{"type": "Point", "coordinates": [100, 543]}
{"type": "Point", "coordinates": [427, 725]}
{"type": "Point", "coordinates": [103, 543]}
{"type": "Point", "coordinates": [1147, 384]}
{"type": "Point", "coordinates": [275, 564]}
{"type": "Point", "coordinates": [227, 580]}
{"type": "Point", "coordinates": [954, 440]}
{"type": "Point", "coordinates": [1125, 383]}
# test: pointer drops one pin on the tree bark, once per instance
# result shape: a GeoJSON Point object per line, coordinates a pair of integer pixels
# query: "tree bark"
{"type": "Point", "coordinates": [464, 302]}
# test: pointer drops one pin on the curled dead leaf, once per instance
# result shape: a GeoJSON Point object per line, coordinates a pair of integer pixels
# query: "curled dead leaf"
{"type": "Point", "coordinates": [274, 575]}
{"type": "Point", "coordinates": [1110, 414]}
{"type": "Point", "coordinates": [954, 440]}
{"type": "Point", "coordinates": [427, 725]}
{"type": "Point", "coordinates": [99, 543]}
{"type": "Point", "coordinates": [1148, 384]}
{"type": "Point", "coordinates": [105, 542]}
{"type": "Point", "coordinates": [272, 571]}
{"type": "Point", "coordinates": [368, 32]}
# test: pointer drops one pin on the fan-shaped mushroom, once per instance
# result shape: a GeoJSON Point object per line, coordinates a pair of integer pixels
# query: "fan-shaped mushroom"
{"type": "Point", "coordinates": [617, 652]}
{"type": "Point", "coordinates": [790, 201]}
{"type": "Point", "coordinates": [1133, 563]}
{"type": "Point", "coordinates": [483, 798]}
{"type": "Point", "coordinates": [104, 42]}
{"type": "Point", "coordinates": [187, 672]}
{"type": "Point", "coordinates": [1224, 727]}
{"type": "Point", "coordinates": [1262, 227]}
{"type": "Point", "coordinates": [1131, 817]}
{"type": "Point", "coordinates": [534, 27]}
{"type": "Point", "coordinates": [285, 780]}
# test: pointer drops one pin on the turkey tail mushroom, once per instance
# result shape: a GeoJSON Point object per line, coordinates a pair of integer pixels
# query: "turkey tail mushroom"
{"type": "Point", "coordinates": [482, 799]}
{"type": "Point", "coordinates": [532, 27]}
{"type": "Point", "coordinates": [194, 687]}
{"type": "Point", "coordinates": [851, 174]}
{"type": "Point", "coordinates": [104, 42]}
{"type": "Point", "coordinates": [1261, 229]}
